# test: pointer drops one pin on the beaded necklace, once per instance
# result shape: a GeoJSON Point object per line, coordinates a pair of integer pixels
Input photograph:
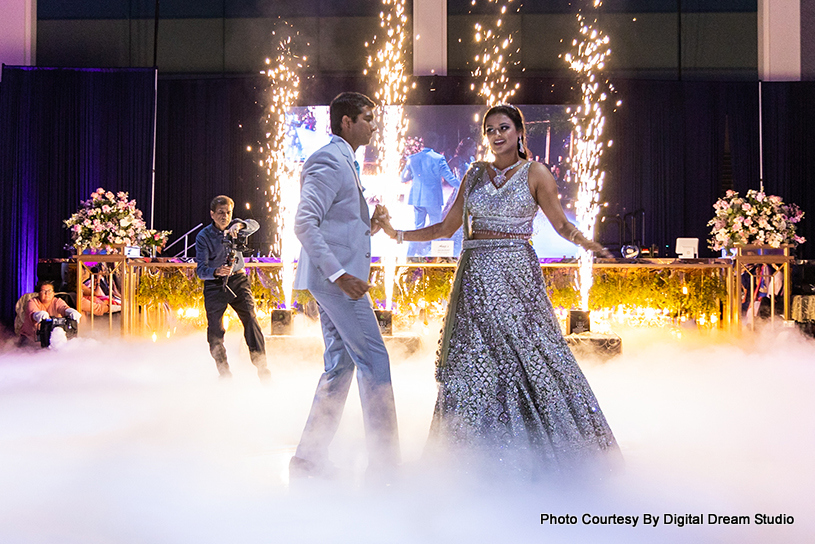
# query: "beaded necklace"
{"type": "Point", "coordinates": [501, 175]}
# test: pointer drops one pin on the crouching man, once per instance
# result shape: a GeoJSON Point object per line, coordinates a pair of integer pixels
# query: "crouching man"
{"type": "Point", "coordinates": [42, 307]}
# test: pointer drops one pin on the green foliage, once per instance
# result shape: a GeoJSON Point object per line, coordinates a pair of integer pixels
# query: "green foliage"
{"type": "Point", "coordinates": [178, 287]}
{"type": "Point", "coordinates": [646, 287]}
{"type": "Point", "coordinates": [561, 287]}
{"type": "Point", "coordinates": [266, 286]}
{"type": "Point", "coordinates": [422, 292]}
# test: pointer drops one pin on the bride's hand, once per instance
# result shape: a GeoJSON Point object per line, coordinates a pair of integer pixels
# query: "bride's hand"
{"type": "Point", "coordinates": [598, 250]}
{"type": "Point", "coordinates": [381, 220]}
{"type": "Point", "coordinates": [379, 212]}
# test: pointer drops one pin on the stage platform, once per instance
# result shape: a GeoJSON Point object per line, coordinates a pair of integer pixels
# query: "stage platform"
{"type": "Point", "coordinates": [402, 345]}
{"type": "Point", "coordinates": [593, 344]}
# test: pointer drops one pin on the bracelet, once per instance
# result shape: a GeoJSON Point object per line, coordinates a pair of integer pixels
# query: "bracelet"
{"type": "Point", "coordinates": [573, 235]}
{"type": "Point", "coordinates": [400, 236]}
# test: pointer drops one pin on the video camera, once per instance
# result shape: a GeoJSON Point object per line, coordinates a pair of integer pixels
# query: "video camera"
{"type": "Point", "coordinates": [47, 326]}
{"type": "Point", "coordinates": [233, 247]}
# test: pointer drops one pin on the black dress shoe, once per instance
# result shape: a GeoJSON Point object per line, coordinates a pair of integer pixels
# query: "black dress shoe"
{"type": "Point", "coordinates": [303, 468]}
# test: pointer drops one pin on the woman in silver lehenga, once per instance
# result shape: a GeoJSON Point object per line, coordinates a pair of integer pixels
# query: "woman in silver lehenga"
{"type": "Point", "coordinates": [511, 394]}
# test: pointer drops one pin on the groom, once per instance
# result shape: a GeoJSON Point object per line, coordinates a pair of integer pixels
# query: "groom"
{"type": "Point", "coordinates": [334, 228]}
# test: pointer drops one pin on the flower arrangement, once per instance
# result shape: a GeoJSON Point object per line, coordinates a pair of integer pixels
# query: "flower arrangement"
{"type": "Point", "coordinates": [109, 219]}
{"type": "Point", "coordinates": [756, 218]}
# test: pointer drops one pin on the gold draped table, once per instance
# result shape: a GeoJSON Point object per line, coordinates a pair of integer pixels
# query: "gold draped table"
{"type": "Point", "coordinates": [721, 266]}
{"type": "Point", "coordinates": [751, 260]}
{"type": "Point", "coordinates": [118, 263]}
{"type": "Point", "coordinates": [803, 308]}
{"type": "Point", "coordinates": [731, 269]}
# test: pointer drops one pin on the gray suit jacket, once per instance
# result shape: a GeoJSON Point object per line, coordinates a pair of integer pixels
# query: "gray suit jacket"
{"type": "Point", "coordinates": [427, 169]}
{"type": "Point", "coordinates": [332, 220]}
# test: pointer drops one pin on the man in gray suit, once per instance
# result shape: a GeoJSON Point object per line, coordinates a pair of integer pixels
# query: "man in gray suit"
{"type": "Point", "coordinates": [427, 169]}
{"type": "Point", "coordinates": [334, 227]}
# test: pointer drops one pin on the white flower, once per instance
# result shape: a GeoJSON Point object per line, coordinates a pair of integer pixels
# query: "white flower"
{"type": "Point", "coordinates": [736, 218]}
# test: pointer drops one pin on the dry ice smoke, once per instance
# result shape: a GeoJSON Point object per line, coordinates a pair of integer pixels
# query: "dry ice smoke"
{"type": "Point", "coordinates": [105, 440]}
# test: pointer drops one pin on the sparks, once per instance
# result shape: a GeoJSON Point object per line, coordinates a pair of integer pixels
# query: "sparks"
{"type": "Point", "coordinates": [284, 90]}
{"type": "Point", "coordinates": [491, 63]}
{"type": "Point", "coordinates": [388, 62]}
{"type": "Point", "coordinates": [588, 59]}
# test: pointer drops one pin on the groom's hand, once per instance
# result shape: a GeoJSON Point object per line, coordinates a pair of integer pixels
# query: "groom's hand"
{"type": "Point", "coordinates": [352, 286]}
{"type": "Point", "coordinates": [381, 218]}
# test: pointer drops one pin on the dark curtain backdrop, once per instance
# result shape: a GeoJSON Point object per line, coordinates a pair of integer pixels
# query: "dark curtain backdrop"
{"type": "Point", "coordinates": [206, 128]}
{"type": "Point", "coordinates": [789, 150]}
{"type": "Point", "coordinates": [668, 155]}
{"type": "Point", "coordinates": [65, 132]}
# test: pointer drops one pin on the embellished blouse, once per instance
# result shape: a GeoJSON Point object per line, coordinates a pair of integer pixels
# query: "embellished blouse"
{"type": "Point", "coordinates": [508, 210]}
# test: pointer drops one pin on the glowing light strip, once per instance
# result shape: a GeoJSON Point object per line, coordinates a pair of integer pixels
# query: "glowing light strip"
{"type": "Point", "coordinates": [588, 59]}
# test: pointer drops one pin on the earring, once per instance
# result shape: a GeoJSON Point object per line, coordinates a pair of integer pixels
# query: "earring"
{"type": "Point", "coordinates": [520, 144]}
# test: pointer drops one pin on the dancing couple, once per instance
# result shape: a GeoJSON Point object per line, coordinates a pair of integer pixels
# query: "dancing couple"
{"type": "Point", "coordinates": [511, 395]}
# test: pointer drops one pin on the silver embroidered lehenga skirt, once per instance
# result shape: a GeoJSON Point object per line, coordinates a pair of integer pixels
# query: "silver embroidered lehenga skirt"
{"type": "Point", "coordinates": [510, 391]}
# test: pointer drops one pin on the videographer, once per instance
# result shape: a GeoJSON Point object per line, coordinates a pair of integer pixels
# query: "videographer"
{"type": "Point", "coordinates": [42, 307]}
{"type": "Point", "coordinates": [221, 266]}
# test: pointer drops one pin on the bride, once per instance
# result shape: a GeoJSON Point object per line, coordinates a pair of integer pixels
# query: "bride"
{"type": "Point", "coordinates": [511, 394]}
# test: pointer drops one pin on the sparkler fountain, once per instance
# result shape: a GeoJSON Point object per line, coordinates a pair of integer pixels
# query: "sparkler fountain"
{"type": "Point", "coordinates": [284, 83]}
{"type": "Point", "coordinates": [492, 61]}
{"type": "Point", "coordinates": [388, 62]}
{"type": "Point", "coordinates": [587, 59]}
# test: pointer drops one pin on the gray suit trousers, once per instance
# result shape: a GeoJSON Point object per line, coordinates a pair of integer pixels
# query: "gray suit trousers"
{"type": "Point", "coordinates": [352, 341]}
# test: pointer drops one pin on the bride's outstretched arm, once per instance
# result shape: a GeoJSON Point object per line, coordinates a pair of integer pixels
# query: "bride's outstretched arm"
{"type": "Point", "coordinates": [543, 187]}
{"type": "Point", "coordinates": [445, 229]}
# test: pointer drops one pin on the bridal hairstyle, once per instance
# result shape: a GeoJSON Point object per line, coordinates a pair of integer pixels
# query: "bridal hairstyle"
{"type": "Point", "coordinates": [517, 119]}
{"type": "Point", "coordinates": [349, 104]}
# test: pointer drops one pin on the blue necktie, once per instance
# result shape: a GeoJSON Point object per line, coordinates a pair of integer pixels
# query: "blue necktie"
{"type": "Point", "coordinates": [363, 206]}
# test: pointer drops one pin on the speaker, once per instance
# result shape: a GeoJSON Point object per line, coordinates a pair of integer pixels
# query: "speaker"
{"type": "Point", "coordinates": [281, 322]}
{"type": "Point", "coordinates": [578, 322]}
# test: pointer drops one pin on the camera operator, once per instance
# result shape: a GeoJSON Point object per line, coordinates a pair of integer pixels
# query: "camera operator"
{"type": "Point", "coordinates": [44, 306]}
{"type": "Point", "coordinates": [221, 266]}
